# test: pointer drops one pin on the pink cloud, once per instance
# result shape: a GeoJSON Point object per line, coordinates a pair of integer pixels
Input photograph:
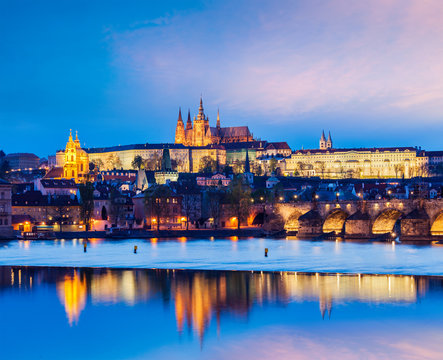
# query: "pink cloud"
{"type": "Point", "coordinates": [293, 58]}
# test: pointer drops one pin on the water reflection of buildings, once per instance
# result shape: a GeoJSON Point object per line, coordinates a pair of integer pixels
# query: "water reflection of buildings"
{"type": "Point", "coordinates": [200, 296]}
{"type": "Point", "coordinates": [72, 292]}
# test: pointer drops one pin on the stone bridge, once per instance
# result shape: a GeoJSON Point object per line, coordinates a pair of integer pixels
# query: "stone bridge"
{"type": "Point", "coordinates": [409, 218]}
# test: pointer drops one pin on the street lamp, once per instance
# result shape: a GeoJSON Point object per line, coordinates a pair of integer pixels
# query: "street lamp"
{"type": "Point", "coordinates": [337, 195]}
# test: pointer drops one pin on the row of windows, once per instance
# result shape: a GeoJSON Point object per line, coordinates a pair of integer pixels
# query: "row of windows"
{"type": "Point", "coordinates": [4, 221]}
{"type": "Point", "coordinates": [168, 200]}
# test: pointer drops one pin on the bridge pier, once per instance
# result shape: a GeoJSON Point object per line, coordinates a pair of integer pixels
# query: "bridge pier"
{"type": "Point", "coordinates": [416, 225]}
{"type": "Point", "coordinates": [310, 224]}
{"type": "Point", "coordinates": [358, 226]}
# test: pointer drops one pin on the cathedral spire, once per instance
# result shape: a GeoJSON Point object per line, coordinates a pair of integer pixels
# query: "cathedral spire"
{"type": "Point", "coordinates": [180, 129]}
{"type": "Point", "coordinates": [189, 122]}
{"type": "Point", "coordinates": [201, 114]}
{"type": "Point", "coordinates": [218, 119]}
{"type": "Point", "coordinates": [323, 137]}
{"type": "Point", "coordinates": [180, 115]}
{"type": "Point", "coordinates": [70, 135]}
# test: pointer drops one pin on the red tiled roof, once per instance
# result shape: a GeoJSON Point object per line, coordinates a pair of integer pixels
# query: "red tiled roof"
{"type": "Point", "coordinates": [54, 173]}
{"type": "Point", "coordinates": [278, 145]}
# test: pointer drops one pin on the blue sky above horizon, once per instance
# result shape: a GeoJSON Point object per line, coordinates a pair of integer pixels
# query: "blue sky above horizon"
{"type": "Point", "coordinates": [371, 72]}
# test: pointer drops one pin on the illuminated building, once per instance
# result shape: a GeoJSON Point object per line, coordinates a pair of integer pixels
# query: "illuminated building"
{"type": "Point", "coordinates": [73, 163]}
{"type": "Point", "coordinates": [76, 164]}
{"type": "Point", "coordinates": [329, 162]}
{"type": "Point", "coordinates": [49, 209]}
{"type": "Point", "coordinates": [200, 133]}
{"type": "Point", "coordinates": [121, 157]}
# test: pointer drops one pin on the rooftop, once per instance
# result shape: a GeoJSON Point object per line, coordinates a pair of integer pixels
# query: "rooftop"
{"type": "Point", "coordinates": [372, 150]}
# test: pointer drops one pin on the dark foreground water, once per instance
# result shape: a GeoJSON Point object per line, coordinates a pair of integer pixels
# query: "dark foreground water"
{"type": "Point", "coordinates": [230, 254]}
{"type": "Point", "coordinates": [67, 313]}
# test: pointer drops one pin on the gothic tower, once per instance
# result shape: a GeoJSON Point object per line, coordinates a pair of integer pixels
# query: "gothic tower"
{"type": "Point", "coordinates": [329, 141]}
{"type": "Point", "coordinates": [199, 126]}
{"type": "Point", "coordinates": [189, 122]}
{"type": "Point", "coordinates": [323, 141]}
{"type": "Point", "coordinates": [180, 129]}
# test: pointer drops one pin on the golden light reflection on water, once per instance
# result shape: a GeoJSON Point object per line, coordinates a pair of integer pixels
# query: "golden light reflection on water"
{"type": "Point", "coordinates": [72, 292]}
{"type": "Point", "coordinates": [200, 297]}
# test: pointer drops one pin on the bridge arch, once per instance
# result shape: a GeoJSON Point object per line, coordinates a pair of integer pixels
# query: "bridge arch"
{"type": "Point", "coordinates": [292, 224]}
{"type": "Point", "coordinates": [437, 224]}
{"type": "Point", "coordinates": [258, 219]}
{"type": "Point", "coordinates": [335, 221]}
{"type": "Point", "coordinates": [385, 221]}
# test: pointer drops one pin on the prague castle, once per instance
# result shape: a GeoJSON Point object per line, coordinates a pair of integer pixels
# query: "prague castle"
{"type": "Point", "coordinates": [197, 141]}
{"type": "Point", "coordinates": [200, 133]}
{"type": "Point", "coordinates": [329, 162]}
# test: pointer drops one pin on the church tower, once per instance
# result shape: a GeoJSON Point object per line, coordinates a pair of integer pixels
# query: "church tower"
{"type": "Point", "coordinates": [77, 141]}
{"type": "Point", "coordinates": [323, 141]}
{"type": "Point", "coordinates": [180, 129]}
{"type": "Point", "coordinates": [199, 126]}
{"type": "Point", "coordinates": [329, 141]}
{"type": "Point", "coordinates": [76, 164]}
{"type": "Point", "coordinates": [70, 166]}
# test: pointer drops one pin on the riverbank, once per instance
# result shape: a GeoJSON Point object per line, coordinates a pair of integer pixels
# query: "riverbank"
{"type": "Point", "coordinates": [149, 234]}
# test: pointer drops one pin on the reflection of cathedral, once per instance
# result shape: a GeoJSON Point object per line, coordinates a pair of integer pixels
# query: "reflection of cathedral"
{"type": "Point", "coordinates": [200, 133]}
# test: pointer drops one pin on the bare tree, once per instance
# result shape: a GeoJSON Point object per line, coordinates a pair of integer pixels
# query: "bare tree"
{"type": "Point", "coordinates": [240, 199]}
{"type": "Point", "coordinates": [156, 202]}
{"type": "Point", "coordinates": [214, 205]}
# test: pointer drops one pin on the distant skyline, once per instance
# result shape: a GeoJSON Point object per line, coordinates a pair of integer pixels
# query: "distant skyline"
{"type": "Point", "coordinates": [370, 72]}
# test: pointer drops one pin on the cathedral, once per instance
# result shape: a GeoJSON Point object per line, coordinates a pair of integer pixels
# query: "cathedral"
{"type": "Point", "coordinates": [199, 133]}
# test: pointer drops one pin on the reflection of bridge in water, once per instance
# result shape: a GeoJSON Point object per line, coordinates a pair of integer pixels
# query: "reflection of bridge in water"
{"type": "Point", "coordinates": [199, 296]}
{"type": "Point", "coordinates": [410, 219]}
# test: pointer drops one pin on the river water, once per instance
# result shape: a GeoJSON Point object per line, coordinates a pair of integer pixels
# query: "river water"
{"type": "Point", "coordinates": [230, 254]}
{"type": "Point", "coordinates": [305, 300]}
{"type": "Point", "coordinates": [66, 313]}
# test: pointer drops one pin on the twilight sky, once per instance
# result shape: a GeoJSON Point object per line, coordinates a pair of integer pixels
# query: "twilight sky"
{"type": "Point", "coordinates": [117, 71]}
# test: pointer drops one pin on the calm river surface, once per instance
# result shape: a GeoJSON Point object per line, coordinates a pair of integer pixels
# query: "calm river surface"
{"type": "Point", "coordinates": [84, 313]}
{"type": "Point", "coordinates": [230, 254]}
